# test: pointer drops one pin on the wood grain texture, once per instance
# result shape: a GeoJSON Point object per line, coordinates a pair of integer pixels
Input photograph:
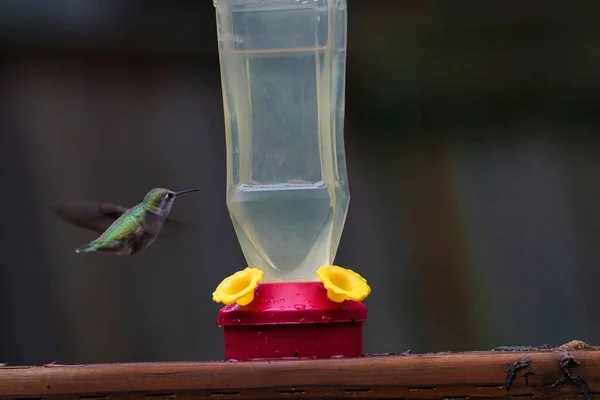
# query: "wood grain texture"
{"type": "Point", "coordinates": [473, 375]}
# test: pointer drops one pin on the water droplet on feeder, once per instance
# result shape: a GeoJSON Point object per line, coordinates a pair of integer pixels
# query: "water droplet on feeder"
{"type": "Point", "coordinates": [300, 307]}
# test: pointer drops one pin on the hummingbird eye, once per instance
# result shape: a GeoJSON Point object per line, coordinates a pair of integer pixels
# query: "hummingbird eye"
{"type": "Point", "coordinates": [170, 195]}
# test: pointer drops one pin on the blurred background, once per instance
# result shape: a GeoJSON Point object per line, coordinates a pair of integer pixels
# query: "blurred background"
{"type": "Point", "coordinates": [472, 158]}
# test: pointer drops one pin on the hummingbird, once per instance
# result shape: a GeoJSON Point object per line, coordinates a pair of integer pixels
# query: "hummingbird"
{"type": "Point", "coordinates": [123, 231]}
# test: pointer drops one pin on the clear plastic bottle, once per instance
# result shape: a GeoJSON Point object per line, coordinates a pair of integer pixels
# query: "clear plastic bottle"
{"type": "Point", "coordinates": [283, 78]}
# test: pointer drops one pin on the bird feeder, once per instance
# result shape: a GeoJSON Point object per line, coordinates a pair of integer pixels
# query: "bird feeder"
{"type": "Point", "coordinates": [283, 79]}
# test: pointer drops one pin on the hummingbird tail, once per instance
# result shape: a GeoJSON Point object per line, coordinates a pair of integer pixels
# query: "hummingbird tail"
{"type": "Point", "coordinates": [86, 248]}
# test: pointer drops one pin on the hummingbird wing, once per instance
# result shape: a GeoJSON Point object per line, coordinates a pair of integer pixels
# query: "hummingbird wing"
{"type": "Point", "coordinates": [98, 217]}
{"type": "Point", "coordinates": [89, 215]}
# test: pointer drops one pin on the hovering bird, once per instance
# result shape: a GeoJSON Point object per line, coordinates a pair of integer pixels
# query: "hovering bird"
{"type": "Point", "coordinates": [124, 231]}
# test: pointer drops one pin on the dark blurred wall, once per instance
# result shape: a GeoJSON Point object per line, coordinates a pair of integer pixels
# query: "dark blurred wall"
{"type": "Point", "coordinates": [471, 155]}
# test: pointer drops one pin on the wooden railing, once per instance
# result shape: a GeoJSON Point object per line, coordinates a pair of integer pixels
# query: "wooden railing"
{"type": "Point", "coordinates": [571, 371]}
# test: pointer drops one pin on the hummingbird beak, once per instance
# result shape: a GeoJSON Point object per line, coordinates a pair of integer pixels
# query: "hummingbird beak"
{"type": "Point", "coordinates": [186, 191]}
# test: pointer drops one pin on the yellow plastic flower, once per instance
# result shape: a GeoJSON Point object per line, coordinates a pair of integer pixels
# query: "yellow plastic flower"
{"type": "Point", "coordinates": [343, 284]}
{"type": "Point", "coordinates": [239, 287]}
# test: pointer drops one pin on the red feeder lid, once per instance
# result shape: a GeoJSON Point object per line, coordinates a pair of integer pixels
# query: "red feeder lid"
{"type": "Point", "coordinates": [291, 303]}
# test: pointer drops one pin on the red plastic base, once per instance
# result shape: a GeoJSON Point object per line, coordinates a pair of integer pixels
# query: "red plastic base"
{"type": "Point", "coordinates": [292, 320]}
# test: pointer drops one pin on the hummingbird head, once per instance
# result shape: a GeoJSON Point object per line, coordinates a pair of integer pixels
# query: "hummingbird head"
{"type": "Point", "coordinates": [161, 200]}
